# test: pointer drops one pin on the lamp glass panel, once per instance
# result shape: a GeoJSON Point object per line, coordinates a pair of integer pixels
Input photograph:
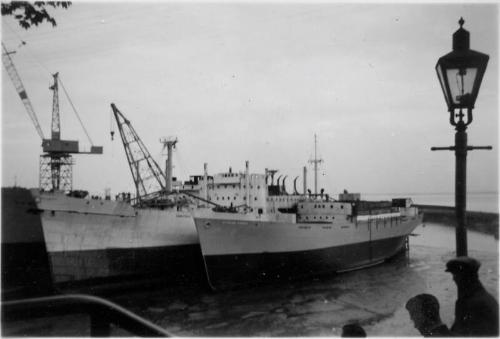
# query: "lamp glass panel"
{"type": "Point", "coordinates": [439, 70]}
{"type": "Point", "coordinates": [461, 82]}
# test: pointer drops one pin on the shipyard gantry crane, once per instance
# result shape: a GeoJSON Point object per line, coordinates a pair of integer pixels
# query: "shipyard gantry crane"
{"type": "Point", "coordinates": [56, 164]}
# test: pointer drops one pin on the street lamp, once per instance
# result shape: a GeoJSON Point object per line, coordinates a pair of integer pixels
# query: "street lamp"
{"type": "Point", "coordinates": [460, 73]}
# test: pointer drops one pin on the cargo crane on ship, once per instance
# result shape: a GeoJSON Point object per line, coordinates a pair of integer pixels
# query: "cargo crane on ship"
{"type": "Point", "coordinates": [56, 163]}
{"type": "Point", "coordinates": [153, 186]}
{"type": "Point", "coordinates": [149, 180]}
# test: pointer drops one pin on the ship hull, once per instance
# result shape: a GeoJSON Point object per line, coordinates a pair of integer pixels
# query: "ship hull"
{"type": "Point", "coordinates": [94, 240]}
{"type": "Point", "coordinates": [175, 263]}
{"type": "Point", "coordinates": [239, 252]}
{"type": "Point", "coordinates": [25, 267]}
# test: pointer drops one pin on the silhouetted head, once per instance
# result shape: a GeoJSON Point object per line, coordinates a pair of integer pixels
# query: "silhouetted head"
{"type": "Point", "coordinates": [463, 268]}
{"type": "Point", "coordinates": [463, 265]}
{"type": "Point", "coordinates": [424, 312]}
{"type": "Point", "coordinates": [353, 331]}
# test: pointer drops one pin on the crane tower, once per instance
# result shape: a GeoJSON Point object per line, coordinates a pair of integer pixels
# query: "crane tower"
{"type": "Point", "coordinates": [56, 164]}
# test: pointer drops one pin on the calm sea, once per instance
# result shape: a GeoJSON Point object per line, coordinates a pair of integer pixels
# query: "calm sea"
{"type": "Point", "coordinates": [476, 201]}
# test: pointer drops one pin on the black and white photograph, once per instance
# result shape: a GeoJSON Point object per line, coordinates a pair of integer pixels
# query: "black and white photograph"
{"type": "Point", "coordinates": [249, 169]}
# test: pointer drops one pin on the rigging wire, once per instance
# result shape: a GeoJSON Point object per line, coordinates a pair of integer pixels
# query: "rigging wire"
{"type": "Point", "coordinates": [74, 109]}
{"type": "Point", "coordinates": [16, 34]}
{"type": "Point", "coordinates": [23, 43]}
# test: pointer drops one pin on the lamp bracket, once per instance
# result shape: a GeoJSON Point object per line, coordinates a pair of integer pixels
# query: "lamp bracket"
{"type": "Point", "coordinates": [469, 148]}
{"type": "Point", "coordinates": [457, 118]}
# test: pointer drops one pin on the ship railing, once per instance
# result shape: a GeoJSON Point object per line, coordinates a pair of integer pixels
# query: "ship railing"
{"type": "Point", "coordinates": [159, 199]}
{"type": "Point", "coordinates": [103, 313]}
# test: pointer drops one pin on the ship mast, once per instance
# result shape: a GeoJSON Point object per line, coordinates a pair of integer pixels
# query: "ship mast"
{"type": "Point", "coordinates": [169, 144]}
{"type": "Point", "coordinates": [316, 161]}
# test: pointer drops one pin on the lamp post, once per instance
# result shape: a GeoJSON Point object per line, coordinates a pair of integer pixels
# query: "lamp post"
{"type": "Point", "coordinates": [460, 73]}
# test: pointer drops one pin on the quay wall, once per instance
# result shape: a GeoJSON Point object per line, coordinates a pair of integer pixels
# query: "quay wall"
{"type": "Point", "coordinates": [484, 222]}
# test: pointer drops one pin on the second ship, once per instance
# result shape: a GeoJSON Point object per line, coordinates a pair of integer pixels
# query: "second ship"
{"type": "Point", "coordinates": [266, 241]}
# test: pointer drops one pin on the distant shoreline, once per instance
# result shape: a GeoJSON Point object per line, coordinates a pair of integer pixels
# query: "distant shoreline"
{"type": "Point", "coordinates": [483, 222]}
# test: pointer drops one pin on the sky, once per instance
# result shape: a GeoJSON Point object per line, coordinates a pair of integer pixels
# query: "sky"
{"type": "Point", "coordinates": [237, 81]}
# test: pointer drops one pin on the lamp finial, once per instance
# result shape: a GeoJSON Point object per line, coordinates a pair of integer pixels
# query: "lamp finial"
{"type": "Point", "coordinates": [461, 22]}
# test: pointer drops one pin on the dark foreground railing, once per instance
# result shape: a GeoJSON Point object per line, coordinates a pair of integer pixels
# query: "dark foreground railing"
{"type": "Point", "coordinates": [102, 314]}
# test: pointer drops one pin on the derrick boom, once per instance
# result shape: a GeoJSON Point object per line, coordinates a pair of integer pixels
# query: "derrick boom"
{"type": "Point", "coordinates": [147, 175]}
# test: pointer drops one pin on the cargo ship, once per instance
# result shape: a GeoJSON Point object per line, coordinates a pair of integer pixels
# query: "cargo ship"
{"type": "Point", "coordinates": [70, 237]}
{"type": "Point", "coordinates": [97, 238]}
{"type": "Point", "coordinates": [316, 235]}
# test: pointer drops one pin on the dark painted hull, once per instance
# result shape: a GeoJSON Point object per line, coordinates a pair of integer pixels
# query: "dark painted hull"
{"type": "Point", "coordinates": [232, 270]}
{"type": "Point", "coordinates": [25, 266]}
